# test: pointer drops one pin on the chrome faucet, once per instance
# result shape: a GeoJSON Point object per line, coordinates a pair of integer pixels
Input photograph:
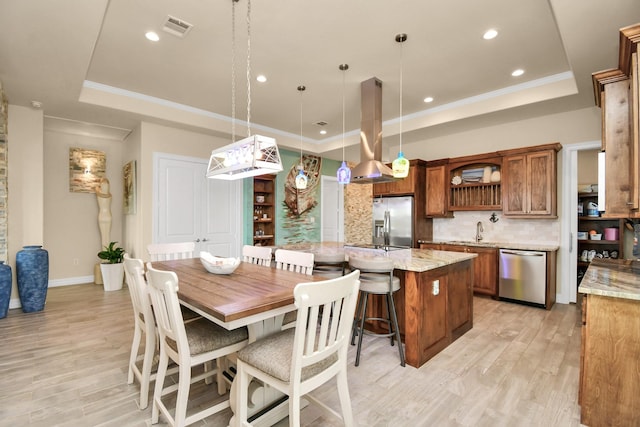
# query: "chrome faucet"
{"type": "Point", "coordinates": [479, 230]}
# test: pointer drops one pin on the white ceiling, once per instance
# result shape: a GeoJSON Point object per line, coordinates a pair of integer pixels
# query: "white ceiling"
{"type": "Point", "coordinates": [87, 61]}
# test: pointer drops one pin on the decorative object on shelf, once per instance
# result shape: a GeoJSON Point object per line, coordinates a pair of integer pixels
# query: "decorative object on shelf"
{"type": "Point", "coordinates": [254, 155]}
{"type": "Point", "coordinates": [301, 178]}
{"type": "Point", "coordinates": [486, 174]}
{"type": "Point", "coordinates": [495, 176]}
{"type": "Point", "coordinates": [494, 218]}
{"type": "Point", "coordinates": [5, 288]}
{"type": "Point", "coordinates": [400, 165]}
{"type": "Point", "coordinates": [260, 199]}
{"type": "Point", "coordinates": [343, 173]}
{"type": "Point", "coordinates": [112, 269]}
{"type": "Point", "coordinates": [456, 180]}
{"type": "Point", "coordinates": [86, 167]}
{"type": "Point", "coordinates": [32, 272]}
{"type": "Point", "coordinates": [611, 233]}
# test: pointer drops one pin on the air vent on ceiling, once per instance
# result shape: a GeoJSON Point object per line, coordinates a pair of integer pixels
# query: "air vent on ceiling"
{"type": "Point", "coordinates": [177, 27]}
{"type": "Point", "coordinates": [321, 123]}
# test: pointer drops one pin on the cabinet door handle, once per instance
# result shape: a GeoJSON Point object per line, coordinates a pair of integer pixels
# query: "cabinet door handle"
{"type": "Point", "coordinates": [205, 240]}
{"type": "Point", "coordinates": [570, 242]}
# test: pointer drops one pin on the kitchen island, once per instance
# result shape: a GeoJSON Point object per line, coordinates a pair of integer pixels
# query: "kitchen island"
{"type": "Point", "coordinates": [435, 300]}
{"type": "Point", "coordinates": [609, 391]}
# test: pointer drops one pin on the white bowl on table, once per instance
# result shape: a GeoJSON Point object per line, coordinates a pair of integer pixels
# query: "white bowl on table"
{"type": "Point", "coordinates": [218, 265]}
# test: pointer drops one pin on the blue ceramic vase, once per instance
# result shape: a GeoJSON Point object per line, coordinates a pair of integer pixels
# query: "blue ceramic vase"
{"type": "Point", "coordinates": [32, 273]}
{"type": "Point", "coordinates": [5, 289]}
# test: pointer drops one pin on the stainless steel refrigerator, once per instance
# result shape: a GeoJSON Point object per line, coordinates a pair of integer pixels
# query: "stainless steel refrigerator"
{"type": "Point", "coordinates": [393, 221]}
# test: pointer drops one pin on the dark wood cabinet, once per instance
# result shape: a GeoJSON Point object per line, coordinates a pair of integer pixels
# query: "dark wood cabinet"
{"type": "Point", "coordinates": [437, 186]}
{"type": "Point", "coordinates": [529, 184]}
{"type": "Point", "coordinates": [617, 92]}
{"type": "Point", "coordinates": [609, 376]}
{"type": "Point", "coordinates": [412, 184]}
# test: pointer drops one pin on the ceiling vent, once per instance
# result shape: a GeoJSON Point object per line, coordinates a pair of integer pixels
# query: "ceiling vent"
{"type": "Point", "coordinates": [177, 27]}
{"type": "Point", "coordinates": [322, 123]}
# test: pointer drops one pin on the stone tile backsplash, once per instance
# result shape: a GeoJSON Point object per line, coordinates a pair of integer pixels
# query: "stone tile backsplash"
{"type": "Point", "coordinates": [463, 227]}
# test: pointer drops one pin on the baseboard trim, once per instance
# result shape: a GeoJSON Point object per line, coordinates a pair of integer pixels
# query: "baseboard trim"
{"type": "Point", "coordinates": [15, 302]}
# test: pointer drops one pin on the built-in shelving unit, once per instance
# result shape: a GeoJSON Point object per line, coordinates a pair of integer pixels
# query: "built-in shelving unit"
{"type": "Point", "coordinates": [264, 233]}
{"type": "Point", "coordinates": [602, 248]}
{"type": "Point", "coordinates": [472, 187]}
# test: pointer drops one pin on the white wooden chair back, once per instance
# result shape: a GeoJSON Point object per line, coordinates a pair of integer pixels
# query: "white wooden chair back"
{"type": "Point", "coordinates": [144, 324]}
{"type": "Point", "coordinates": [168, 251]}
{"type": "Point", "coordinates": [163, 288]}
{"type": "Point", "coordinates": [260, 255]}
{"type": "Point", "coordinates": [300, 262]}
{"type": "Point", "coordinates": [318, 336]}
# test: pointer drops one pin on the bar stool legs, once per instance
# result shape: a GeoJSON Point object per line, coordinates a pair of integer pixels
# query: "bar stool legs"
{"type": "Point", "coordinates": [391, 320]}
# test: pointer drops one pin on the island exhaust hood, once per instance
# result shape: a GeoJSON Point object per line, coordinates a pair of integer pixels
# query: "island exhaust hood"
{"type": "Point", "coordinates": [371, 169]}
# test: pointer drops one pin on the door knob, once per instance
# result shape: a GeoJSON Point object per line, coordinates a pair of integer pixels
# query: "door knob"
{"type": "Point", "coordinates": [205, 240]}
{"type": "Point", "coordinates": [197, 240]}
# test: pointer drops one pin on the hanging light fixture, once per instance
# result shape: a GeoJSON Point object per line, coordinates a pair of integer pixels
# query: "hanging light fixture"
{"type": "Point", "coordinates": [400, 165]}
{"type": "Point", "coordinates": [344, 173]}
{"type": "Point", "coordinates": [255, 154]}
{"type": "Point", "coordinates": [301, 178]}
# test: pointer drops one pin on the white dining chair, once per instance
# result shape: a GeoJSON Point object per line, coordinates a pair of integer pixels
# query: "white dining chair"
{"type": "Point", "coordinates": [300, 262]}
{"type": "Point", "coordinates": [168, 251]}
{"type": "Point", "coordinates": [260, 255]}
{"type": "Point", "coordinates": [144, 324]}
{"type": "Point", "coordinates": [188, 345]}
{"type": "Point", "coordinates": [297, 361]}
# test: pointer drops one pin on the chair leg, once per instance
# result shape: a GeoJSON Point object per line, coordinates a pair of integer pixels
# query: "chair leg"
{"type": "Point", "coordinates": [222, 385]}
{"type": "Point", "coordinates": [147, 363]}
{"type": "Point", "coordinates": [294, 411]}
{"type": "Point", "coordinates": [365, 295]}
{"type": "Point", "coordinates": [345, 399]}
{"type": "Point", "coordinates": [242, 394]}
{"type": "Point", "coordinates": [397, 330]}
{"type": "Point", "coordinates": [389, 319]}
{"type": "Point", "coordinates": [182, 398]}
{"type": "Point", "coordinates": [157, 393]}
{"type": "Point", "coordinates": [135, 346]}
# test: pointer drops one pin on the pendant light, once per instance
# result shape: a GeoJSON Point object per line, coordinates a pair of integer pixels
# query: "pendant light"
{"type": "Point", "coordinates": [301, 178]}
{"type": "Point", "coordinates": [400, 165]}
{"type": "Point", "coordinates": [255, 154]}
{"type": "Point", "coordinates": [344, 173]}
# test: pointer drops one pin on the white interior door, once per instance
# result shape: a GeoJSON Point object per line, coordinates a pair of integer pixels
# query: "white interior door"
{"type": "Point", "coordinates": [190, 207]}
{"type": "Point", "coordinates": [332, 215]}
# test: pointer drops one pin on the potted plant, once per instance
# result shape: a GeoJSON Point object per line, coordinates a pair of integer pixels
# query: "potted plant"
{"type": "Point", "coordinates": [112, 268]}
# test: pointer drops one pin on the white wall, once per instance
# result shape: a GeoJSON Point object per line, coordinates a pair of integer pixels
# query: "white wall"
{"type": "Point", "coordinates": [25, 184]}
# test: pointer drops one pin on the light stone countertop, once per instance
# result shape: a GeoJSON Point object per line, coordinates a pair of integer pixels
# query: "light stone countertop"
{"type": "Point", "coordinates": [417, 260]}
{"type": "Point", "coordinates": [499, 245]}
{"type": "Point", "coordinates": [617, 278]}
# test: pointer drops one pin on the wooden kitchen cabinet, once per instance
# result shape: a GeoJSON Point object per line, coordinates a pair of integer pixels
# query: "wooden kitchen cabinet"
{"type": "Point", "coordinates": [610, 349]}
{"type": "Point", "coordinates": [412, 184]}
{"type": "Point", "coordinates": [437, 190]}
{"type": "Point", "coordinates": [468, 190]}
{"type": "Point", "coordinates": [485, 267]}
{"type": "Point", "coordinates": [617, 92]}
{"type": "Point", "coordinates": [529, 181]}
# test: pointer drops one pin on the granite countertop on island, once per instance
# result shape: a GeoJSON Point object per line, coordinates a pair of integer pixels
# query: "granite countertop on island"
{"type": "Point", "coordinates": [544, 247]}
{"type": "Point", "coordinates": [417, 260]}
{"type": "Point", "coordinates": [616, 278]}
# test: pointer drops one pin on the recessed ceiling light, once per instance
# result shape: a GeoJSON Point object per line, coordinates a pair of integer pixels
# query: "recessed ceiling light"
{"type": "Point", "coordinates": [518, 72]}
{"type": "Point", "coordinates": [323, 132]}
{"type": "Point", "coordinates": [428, 99]}
{"type": "Point", "coordinates": [490, 34]}
{"type": "Point", "coordinates": [152, 35]}
{"type": "Point", "coordinates": [261, 78]}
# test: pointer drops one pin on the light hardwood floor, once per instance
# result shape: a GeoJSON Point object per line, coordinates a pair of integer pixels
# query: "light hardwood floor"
{"type": "Point", "coordinates": [518, 366]}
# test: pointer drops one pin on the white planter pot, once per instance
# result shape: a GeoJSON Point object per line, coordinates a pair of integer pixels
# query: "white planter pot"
{"type": "Point", "coordinates": [112, 276]}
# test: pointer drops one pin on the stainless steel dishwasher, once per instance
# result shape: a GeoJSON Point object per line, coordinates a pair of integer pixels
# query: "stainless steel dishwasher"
{"type": "Point", "coordinates": [523, 276]}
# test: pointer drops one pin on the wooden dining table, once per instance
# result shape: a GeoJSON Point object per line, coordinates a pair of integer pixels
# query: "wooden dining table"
{"type": "Point", "coordinates": [254, 296]}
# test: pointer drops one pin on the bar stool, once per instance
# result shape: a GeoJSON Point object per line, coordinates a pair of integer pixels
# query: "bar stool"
{"type": "Point", "coordinates": [376, 278]}
{"type": "Point", "coordinates": [329, 265]}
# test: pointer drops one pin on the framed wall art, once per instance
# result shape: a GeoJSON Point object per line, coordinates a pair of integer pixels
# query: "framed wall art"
{"type": "Point", "coordinates": [86, 168]}
{"type": "Point", "coordinates": [129, 191]}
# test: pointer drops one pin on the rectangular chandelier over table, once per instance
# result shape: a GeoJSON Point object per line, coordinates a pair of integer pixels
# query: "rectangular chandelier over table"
{"type": "Point", "coordinates": [252, 156]}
